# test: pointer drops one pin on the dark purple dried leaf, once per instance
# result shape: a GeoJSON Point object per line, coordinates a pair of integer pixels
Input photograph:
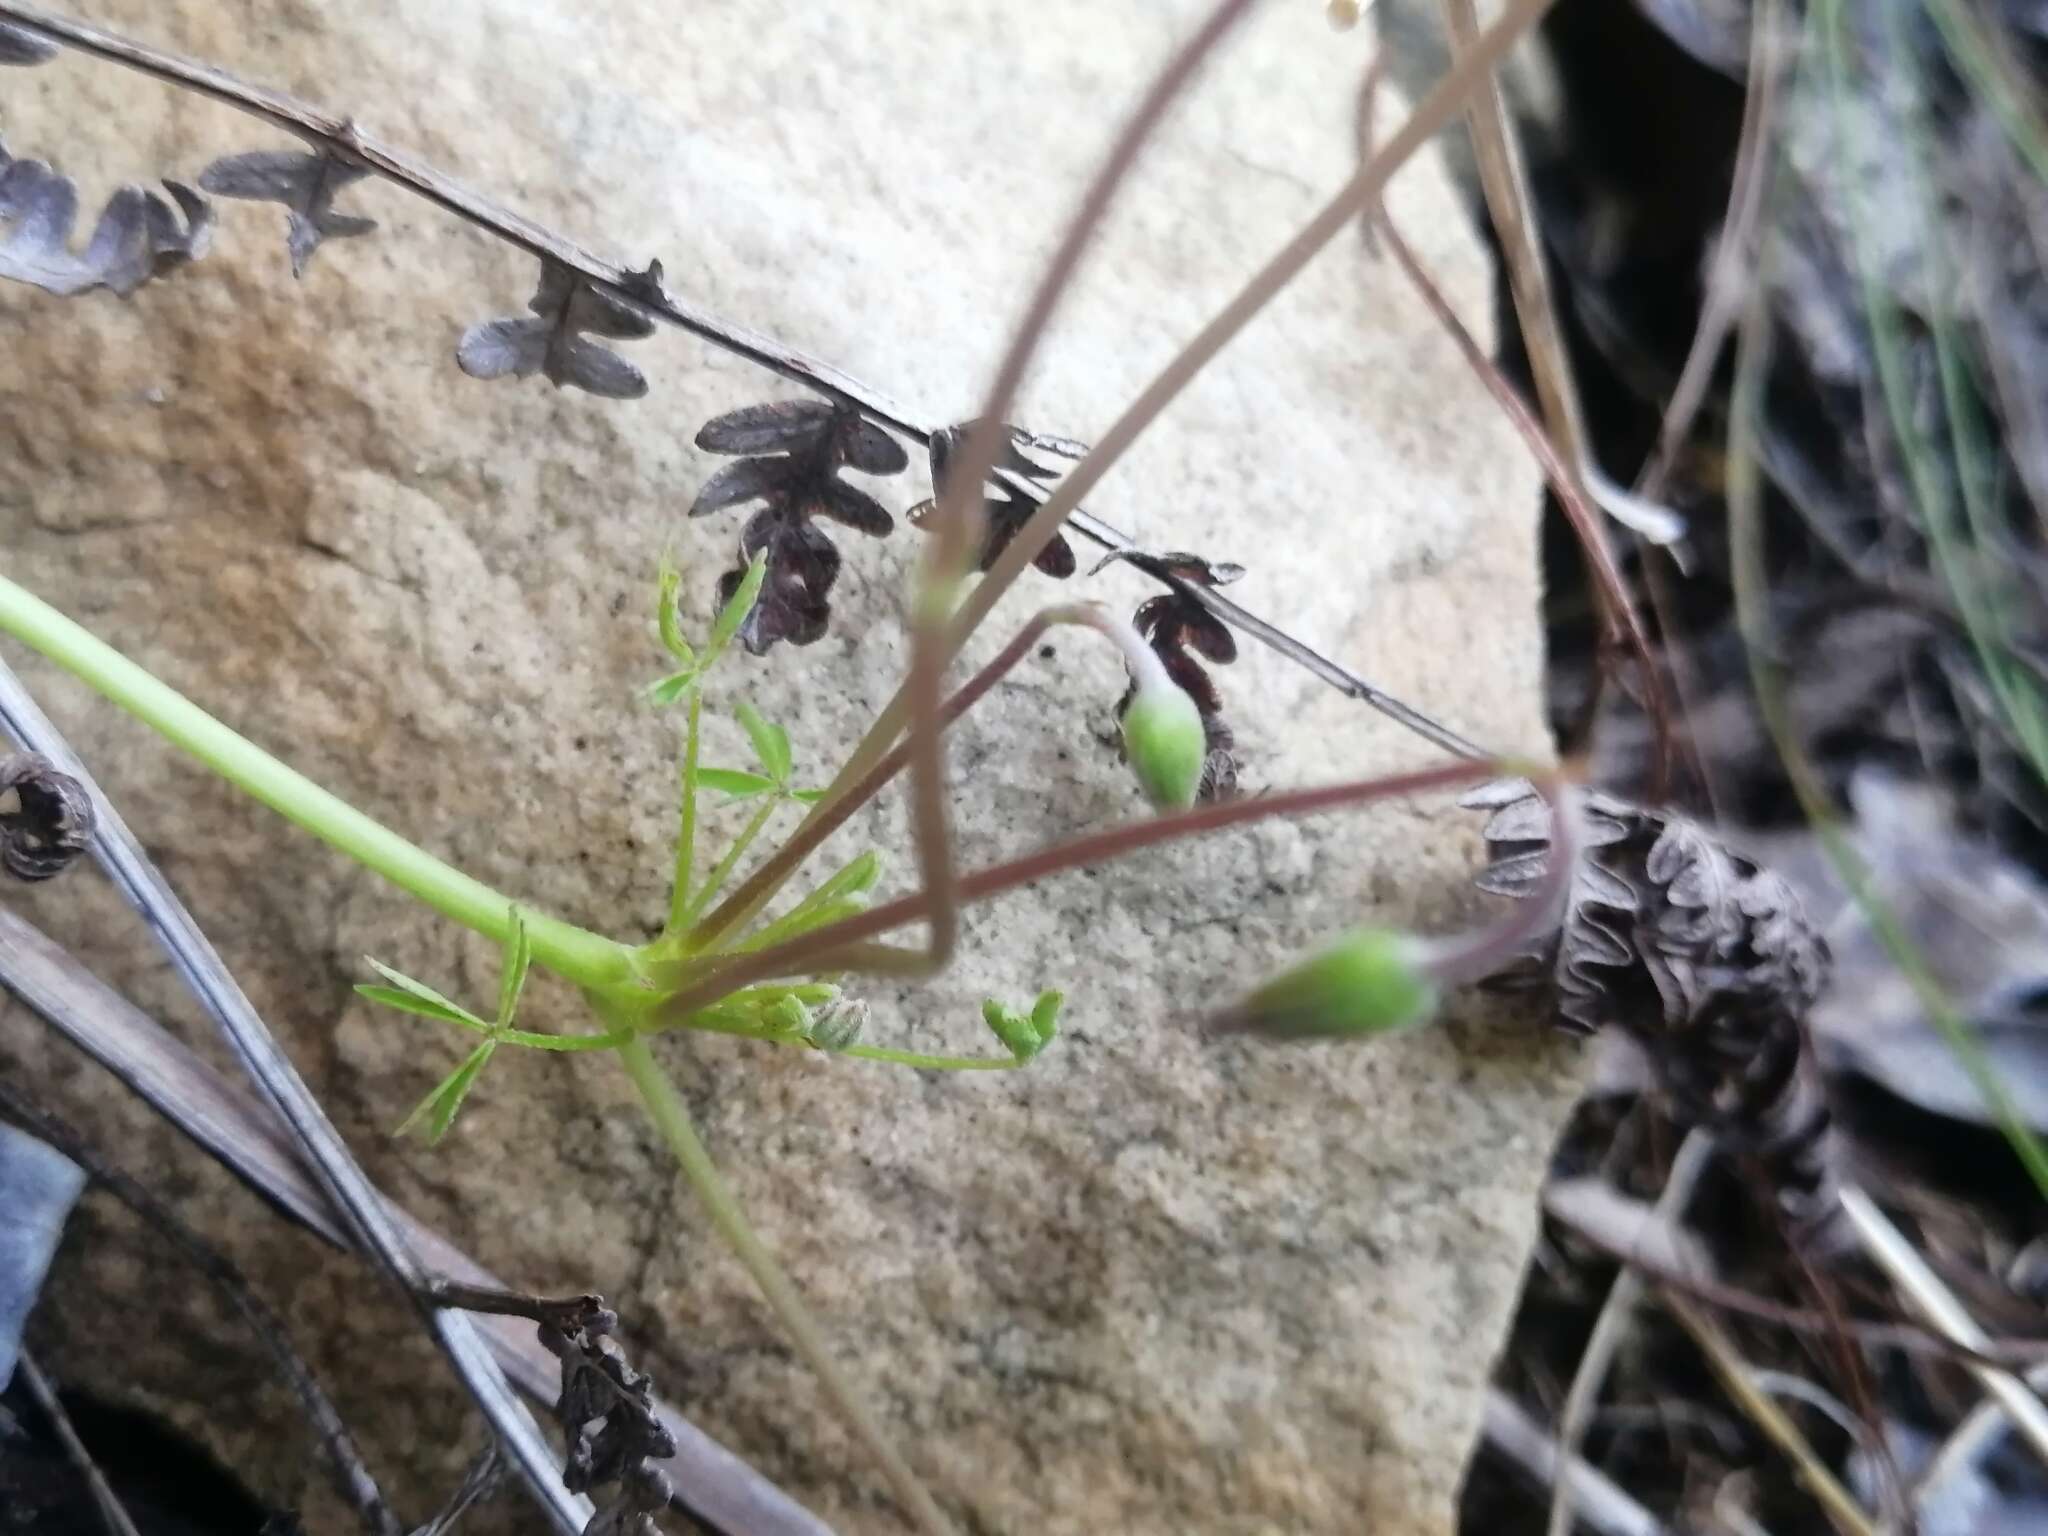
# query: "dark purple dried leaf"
{"type": "Point", "coordinates": [304, 183]}
{"type": "Point", "coordinates": [138, 235]}
{"type": "Point", "coordinates": [18, 45]}
{"type": "Point", "coordinates": [800, 447]}
{"type": "Point", "coordinates": [748, 480]}
{"type": "Point", "coordinates": [552, 344]}
{"type": "Point", "coordinates": [795, 601]}
{"type": "Point", "coordinates": [871, 450]}
{"type": "Point", "coordinates": [784, 426]}
{"type": "Point", "coordinates": [858, 510]}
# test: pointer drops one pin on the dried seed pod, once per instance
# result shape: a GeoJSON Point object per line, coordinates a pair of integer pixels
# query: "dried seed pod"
{"type": "Point", "coordinates": [1701, 955]}
{"type": "Point", "coordinates": [51, 821]}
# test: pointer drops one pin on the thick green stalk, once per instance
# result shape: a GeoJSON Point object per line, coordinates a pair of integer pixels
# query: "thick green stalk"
{"type": "Point", "coordinates": [665, 1108]}
{"type": "Point", "coordinates": [583, 957]}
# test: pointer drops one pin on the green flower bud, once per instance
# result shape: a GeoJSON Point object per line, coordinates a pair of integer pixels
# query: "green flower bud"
{"type": "Point", "coordinates": [838, 1024]}
{"type": "Point", "coordinates": [787, 1015]}
{"type": "Point", "coordinates": [1372, 981]}
{"type": "Point", "coordinates": [1024, 1035]}
{"type": "Point", "coordinates": [1165, 744]}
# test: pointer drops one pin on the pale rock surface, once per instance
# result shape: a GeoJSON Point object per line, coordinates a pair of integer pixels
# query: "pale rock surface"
{"type": "Point", "coordinates": [1149, 1285]}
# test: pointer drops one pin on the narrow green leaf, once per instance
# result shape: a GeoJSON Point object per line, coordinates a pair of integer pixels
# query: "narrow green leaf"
{"type": "Point", "coordinates": [405, 1002]}
{"type": "Point", "coordinates": [436, 1005]}
{"type": "Point", "coordinates": [667, 616]}
{"type": "Point", "coordinates": [857, 878]}
{"type": "Point", "coordinates": [518, 960]}
{"type": "Point", "coordinates": [734, 614]}
{"type": "Point", "coordinates": [732, 781]}
{"type": "Point", "coordinates": [771, 743]}
{"type": "Point", "coordinates": [438, 1109]}
{"type": "Point", "coordinates": [800, 921]}
{"type": "Point", "coordinates": [807, 796]}
{"type": "Point", "coordinates": [665, 692]}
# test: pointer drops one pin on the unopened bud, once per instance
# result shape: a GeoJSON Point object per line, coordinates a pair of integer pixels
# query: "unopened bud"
{"type": "Point", "coordinates": [838, 1024]}
{"type": "Point", "coordinates": [1024, 1035]}
{"type": "Point", "coordinates": [1372, 981]}
{"type": "Point", "coordinates": [1164, 743]}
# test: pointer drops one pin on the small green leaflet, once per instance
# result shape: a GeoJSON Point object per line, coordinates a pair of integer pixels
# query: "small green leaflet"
{"type": "Point", "coordinates": [735, 612]}
{"type": "Point", "coordinates": [734, 782]}
{"type": "Point", "coordinates": [667, 616]}
{"type": "Point", "coordinates": [437, 1111]}
{"type": "Point", "coordinates": [409, 996]}
{"type": "Point", "coordinates": [771, 743]}
{"type": "Point", "coordinates": [730, 618]}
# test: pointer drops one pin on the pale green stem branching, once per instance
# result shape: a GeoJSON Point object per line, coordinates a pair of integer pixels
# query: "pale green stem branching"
{"type": "Point", "coordinates": [722, 870]}
{"type": "Point", "coordinates": [666, 1109]}
{"type": "Point", "coordinates": [835, 948]}
{"type": "Point", "coordinates": [686, 837]}
{"type": "Point", "coordinates": [587, 958]}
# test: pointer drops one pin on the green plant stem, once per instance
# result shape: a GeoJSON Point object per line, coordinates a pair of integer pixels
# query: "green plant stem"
{"type": "Point", "coordinates": [720, 872]}
{"type": "Point", "coordinates": [930, 1063]}
{"type": "Point", "coordinates": [666, 1110]}
{"type": "Point", "coordinates": [837, 946]}
{"type": "Point", "coordinates": [686, 838]}
{"type": "Point", "coordinates": [587, 958]}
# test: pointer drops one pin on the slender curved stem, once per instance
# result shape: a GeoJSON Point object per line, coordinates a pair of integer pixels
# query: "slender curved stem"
{"type": "Point", "coordinates": [665, 1107]}
{"type": "Point", "coordinates": [587, 958]}
{"type": "Point", "coordinates": [839, 946]}
{"type": "Point", "coordinates": [1430, 116]}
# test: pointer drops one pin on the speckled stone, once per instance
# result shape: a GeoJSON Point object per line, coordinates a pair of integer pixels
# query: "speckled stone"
{"type": "Point", "coordinates": [1150, 1285]}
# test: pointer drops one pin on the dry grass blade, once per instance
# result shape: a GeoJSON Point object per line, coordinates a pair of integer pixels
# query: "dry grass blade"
{"type": "Point", "coordinates": [112, 1513]}
{"type": "Point", "coordinates": [1736, 1376]}
{"type": "Point", "coordinates": [1600, 1502]}
{"type": "Point", "coordinates": [231, 1126]}
{"type": "Point", "coordinates": [1933, 1300]}
{"type": "Point", "coordinates": [1693, 1156]}
{"type": "Point", "coordinates": [121, 855]}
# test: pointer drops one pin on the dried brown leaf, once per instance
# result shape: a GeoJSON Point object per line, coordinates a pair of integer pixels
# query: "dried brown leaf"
{"type": "Point", "coordinates": [799, 449]}
{"type": "Point", "coordinates": [565, 309]}
{"type": "Point", "coordinates": [138, 236]}
{"type": "Point", "coordinates": [304, 183]}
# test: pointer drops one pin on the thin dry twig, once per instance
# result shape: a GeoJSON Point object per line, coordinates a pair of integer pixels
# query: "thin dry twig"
{"type": "Point", "coordinates": [1599, 1501]}
{"type": "Point", "coordinates": [121, 855]}
{"type": "Point", "coordinates": [1512, 211]}
{"type": "Point", "coordinates": [1934, 1301]}
{"type": "Point", "coordinates": [352, 1473]}
{"type": "Point", "coordinates": [232, 1126]}
{"type": "Point", "coordinates": [1736, 1377]}
{"type": "Point", "coordinates": [1694, 1154]}
{"type": "Point", "coordinates": [338, 138]}
{"type": "Point", "coordinates": [113, 1514]}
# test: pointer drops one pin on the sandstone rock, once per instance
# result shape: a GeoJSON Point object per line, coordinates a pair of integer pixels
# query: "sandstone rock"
{"type": "Point", "coordinates": [1148, 1285]}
